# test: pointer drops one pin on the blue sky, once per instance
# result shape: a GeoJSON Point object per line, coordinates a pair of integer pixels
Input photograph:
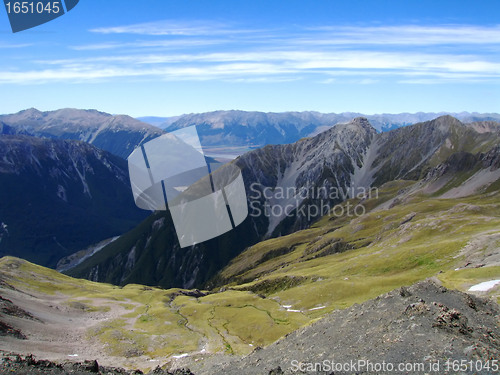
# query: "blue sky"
{"type": "Point", "coordinates": [169, 57]}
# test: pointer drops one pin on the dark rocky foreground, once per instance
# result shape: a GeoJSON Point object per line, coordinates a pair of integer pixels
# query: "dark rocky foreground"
{"type": "Point", "coordinates": [445, 331]}
{"type": "Point", "coordinates": [15, 364]}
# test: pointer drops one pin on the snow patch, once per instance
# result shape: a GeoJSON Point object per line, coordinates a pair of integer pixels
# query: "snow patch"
{"type": "Point", "coordinates": [317, 308]}
{"type": "Point", "coordinates": [180, 356]}
{"type": "Point", "coordinates": [484, 286]}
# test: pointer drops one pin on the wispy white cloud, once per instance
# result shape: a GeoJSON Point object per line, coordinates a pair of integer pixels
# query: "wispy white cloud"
{"type": "Point", "coordinates": [307, 60]}
{"type": "Point", "coordinates": [177, 44]}
{"type": "Point", "coordinates": [404, 35]}
{"type": "Point", "coordinates": [368, 81]}
{"type": "Point", "coordinates": [257, 65]}
{"type": "Point", "coordinates": [399, 35]}
{"type": "Point", "coordinates": [10, 45]}
{"type": "Point", "coordinates": [273, 79]}
{"type": "Point", "coordinates": [173, 28]}
{"type": "Point", "coordinates": [171, 50]}
{"type": "Point", "coordinates": [86, 73]}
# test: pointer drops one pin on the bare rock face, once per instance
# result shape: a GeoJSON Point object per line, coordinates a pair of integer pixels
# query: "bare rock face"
{"type": "Point", "coordinates": [7, 330]}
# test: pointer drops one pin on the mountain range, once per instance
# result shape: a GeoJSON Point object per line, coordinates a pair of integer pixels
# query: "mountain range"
{"type": "Point", "coordinates": [223, 129]}
{"type": "Point", "coordinates": [344, 158]}
{"type": "Point", "coordinates": [226, 132]}
{"type": "Point", "coordinates": [405, 215]}
{"type": "Point", "coordinates": [284, 178]}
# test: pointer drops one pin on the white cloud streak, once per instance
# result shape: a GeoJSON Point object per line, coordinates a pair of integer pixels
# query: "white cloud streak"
{"type": "Point", "coordinates": [173, 28]}
{"type": "Point", "coordinates": [256, 65]}
{"type": "Point", "coordinates": [178, 44]}
{"type": "Point", "coordinates": [405, 35]}
{"type": "Point", "coordinates": [10, 46]}
{"type": "Point", "coordinates": [211, 51]}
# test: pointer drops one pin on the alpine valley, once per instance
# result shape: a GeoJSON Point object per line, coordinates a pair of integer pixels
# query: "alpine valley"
{"type": "Point", "coordinates": [401, 264]}
{"type": "Point", "coordinates": [345, 158]}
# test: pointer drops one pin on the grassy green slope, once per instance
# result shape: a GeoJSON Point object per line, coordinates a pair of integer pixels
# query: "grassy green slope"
{"type": "Point", "coordinates": [340, 261]}
{"type": "Point", "coordinates": [157, 322]}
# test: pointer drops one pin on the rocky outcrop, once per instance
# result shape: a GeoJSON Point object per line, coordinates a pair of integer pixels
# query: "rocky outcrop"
{"type": "Point", "coordinates": [29, 365]}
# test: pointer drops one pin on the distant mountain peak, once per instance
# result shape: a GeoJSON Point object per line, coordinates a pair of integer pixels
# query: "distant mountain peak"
{"type": "Point", "coordinates": [362, 122]}
{"type": "Point", "coordinates": [447, 119]}
{"type": "Point", "coordinates": [117, 134]}
{"type": "Point", "coordinates": [77, 112]}
{"type": "Point", "coordinates": [441, 125]}
{"type": "Point", "coordinates": [30, 113]}
{"type": "Point", "coordinates": [30, 110]}
{"type": "Point", "coordinates": [359, 126]}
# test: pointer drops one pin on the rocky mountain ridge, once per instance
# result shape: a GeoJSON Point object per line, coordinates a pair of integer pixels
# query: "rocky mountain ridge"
{"type": "Point", "coordinates": [290, 179]}
{"type": "Point", "coordinates": [117, 134]}
{"type": "Point", "coordinates": [244, 129]}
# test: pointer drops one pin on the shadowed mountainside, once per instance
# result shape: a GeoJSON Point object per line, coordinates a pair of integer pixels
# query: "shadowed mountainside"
{"type": "Point", "coordinates": [59, 196]}
{"type": "Point", "coordinates": [343, 159]}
